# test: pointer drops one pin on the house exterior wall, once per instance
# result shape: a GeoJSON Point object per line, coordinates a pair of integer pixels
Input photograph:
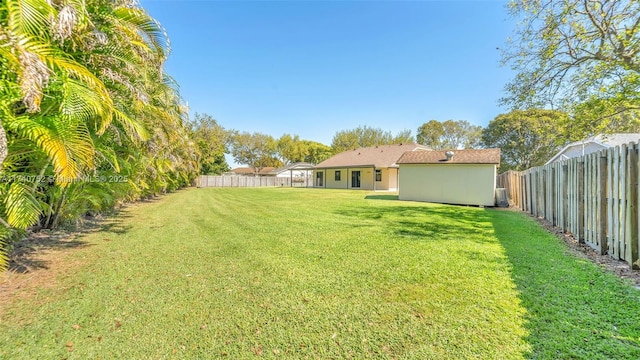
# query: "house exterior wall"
{"type": "Point", "coordinates": [465, 184]}
{"type": "Point", "coordinates": [331, 179]}
{"type": "Point", "coordinates": [367, 178]}
{"type": "Point", "coordinates": [389, 179]}
{"type": "Point", "coordinates": [577, 150]}
{"type": "Point", "coordinates": [392, 178]}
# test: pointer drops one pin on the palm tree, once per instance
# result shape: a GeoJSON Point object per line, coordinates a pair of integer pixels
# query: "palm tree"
{"type": "Point", "coordinates": [83, 93]}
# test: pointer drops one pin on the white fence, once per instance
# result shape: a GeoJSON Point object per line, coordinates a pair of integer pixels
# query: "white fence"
{"type": "Point", "coordinates": [253, 181]}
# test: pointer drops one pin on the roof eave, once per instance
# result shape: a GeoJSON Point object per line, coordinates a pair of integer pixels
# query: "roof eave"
{"type": "Point", "coordinates": [345, 166]}
{"type": "Point", "coordinates": [450, 163]}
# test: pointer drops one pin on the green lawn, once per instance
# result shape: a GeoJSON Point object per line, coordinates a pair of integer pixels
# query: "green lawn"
{"type": "Point", "coordinates": [320, 274]}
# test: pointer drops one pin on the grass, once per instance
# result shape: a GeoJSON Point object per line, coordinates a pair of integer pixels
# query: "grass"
{"type": "Point", "coordinates": [312, 273]}
{"type": "Point", "coordinates": [575, 310]}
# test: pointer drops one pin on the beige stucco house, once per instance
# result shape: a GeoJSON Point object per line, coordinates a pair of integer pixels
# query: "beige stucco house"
{"type": "Point", "coordinates": [369, 168]}
{"type": "Point", "coordinates": [466, 177]}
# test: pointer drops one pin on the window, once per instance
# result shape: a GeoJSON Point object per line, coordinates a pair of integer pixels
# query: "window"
{"type": "Point", "coordinates": [337, 175]}
{"type": "Point", "coordinates": [378, 175]}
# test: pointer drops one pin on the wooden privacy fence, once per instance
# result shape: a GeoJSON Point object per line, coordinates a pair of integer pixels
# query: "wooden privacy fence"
{"type": "Point", "coordinates": [594, 197]}
{"type": "Point", "coordinates": [252, 181]}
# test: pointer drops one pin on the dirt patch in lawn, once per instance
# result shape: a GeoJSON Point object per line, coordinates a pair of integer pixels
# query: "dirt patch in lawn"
{"type": "Point", "coordinates": [618, 267]}
{"type": "Point", "coordinates": [39, 259]}
{"type": "Point", "coordinates": [35, 263]}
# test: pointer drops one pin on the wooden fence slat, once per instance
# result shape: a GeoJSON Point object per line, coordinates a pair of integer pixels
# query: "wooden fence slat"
{"type": "Point", "coordinates": [635, 218]}
{"type": "Point", "coordinates": [565, 198]}
{"type": "Point", "coordinates": [602, 205]}
{"type": "Point", "coordinates": [615, 213]}
{"type": "Point", "coordinates": [632, 207]}
{"type": "Point", "coordinates": [610, 201]}
{"type": "Point", "coordinates": [580, 196]}
{"type": "Point", "coordinates": [623, 202]}
{"type": "Point", "coordinates": [554, 194]}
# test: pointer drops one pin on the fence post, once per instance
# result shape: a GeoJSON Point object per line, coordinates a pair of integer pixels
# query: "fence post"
{"type": "Point", "coordinates": [602, 208]}
{"type": "Point", "coordinates": [530, 202]}
{"type": "Point", "coordinates": [544, 194]}
{"type": "Point", "coordinates": [535, 197]}
{"type": "Point", "coordinates": [523, 189]}
{"type": "Point", "coordinates": [632, 204]}
{"type": "Point", "coordinates": [565, 197]}
{"type": "Point", "coordinates": [554, 215]}
{"type": "Point", "coordinates": [580, 230]}
{"type": "Point", "coordinates": [624, 196]}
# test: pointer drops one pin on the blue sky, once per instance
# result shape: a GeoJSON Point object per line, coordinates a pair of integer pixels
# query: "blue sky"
{"type": "Point", "coordinates": [313, 68]}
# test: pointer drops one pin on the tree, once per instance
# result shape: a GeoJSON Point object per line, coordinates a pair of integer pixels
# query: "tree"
{"type": "Point", "coordinates": [571, 52]}
{"type": "Point", "coordinates": [317, 152]}
{"type": "Point", "coordinates": [430, 134]}
{"type": "Point", "coordinates": [364, 136]}
{"type": "Point", "coordinates": [256, 150]}
{"type": "Point", "coordinates": [211, 139]}
{"type": "Point", "coordinates": [291, 149]}
{"type": "Point", "coordinates": [526, 138]}
{"type": "Point", "coordinates": [450, 134]}
{"type": "Point", "coordinates": [601, 116]}
{"type": "Point", "coordinates": [403, 137]}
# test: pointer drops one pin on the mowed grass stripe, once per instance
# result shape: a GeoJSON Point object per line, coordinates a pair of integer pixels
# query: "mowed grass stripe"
{"type": "Point", "coordinates": [293, 273]}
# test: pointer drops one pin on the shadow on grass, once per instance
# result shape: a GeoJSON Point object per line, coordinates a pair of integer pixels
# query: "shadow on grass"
{"type": "Point", "coordinates": [423, 222]}
{"type": "Point", "coordinates": [574, 308]}
{"type": "Point", "coordinates": [25, 253]}
{"type": "Point", "coordinates": [24, 256]}
{"type": "Point", "coordinates": [381, 197]}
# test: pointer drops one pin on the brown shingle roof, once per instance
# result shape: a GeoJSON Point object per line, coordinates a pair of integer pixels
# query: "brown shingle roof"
{"type": "Point", "coordinates": [380, 156]}
{"type": "Point", "coordinates": [472, 156]}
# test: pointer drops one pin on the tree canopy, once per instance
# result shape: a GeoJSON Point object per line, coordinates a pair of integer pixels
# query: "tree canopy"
{"type": "Point", "coordinates": [449, 134]}
{"type": "Point", "coordinates": [257, 150]}
{"type": "Point", "coordinates": [211, 140]}
{"type": "Point", "coordinates": [573, 52]}
{"type": "Point", "coordinates": [291, 149]}
{"type": "Point", "coordinates": [364, 136]}
{"type": "Point", "coordinates": [526, 138]}
{"type": "Point", "coordinates": [317, 152]}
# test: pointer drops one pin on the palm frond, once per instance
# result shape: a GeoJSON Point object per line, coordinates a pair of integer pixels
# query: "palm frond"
{"type": "Point", "coordinates": [133, 128]}
{"type": "Point", "coordinates": [66, 142]}
{"type": "Point", "coordinates": [5, 235]}
{"type": "Point", "coordinates": [107, 154]}
{"type": "Point", "coordinates": [149, 30]}
{"type": "Point", "coordinates": [56, 59]}
{"type": "Point", "coordinates": [29, 16]}
{"type": "Point", "coordinates": [83, 103]}
{"type": "Point", "coordinates": [22, 208]}
{"type": "Point", "coordinates": [9, 59]}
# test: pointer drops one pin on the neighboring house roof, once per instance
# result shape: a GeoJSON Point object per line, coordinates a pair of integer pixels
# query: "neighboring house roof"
{"type": "Point", "coordinates": [249, 171]}
{"type": "Point", "coordinates": [593, 144]}
{"type": "Point", "coordinates": [381, 156]}
{"type": "Point", "coordinates": [471, 156]}
{"type": "Point", "coordinates": [294, 166]}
